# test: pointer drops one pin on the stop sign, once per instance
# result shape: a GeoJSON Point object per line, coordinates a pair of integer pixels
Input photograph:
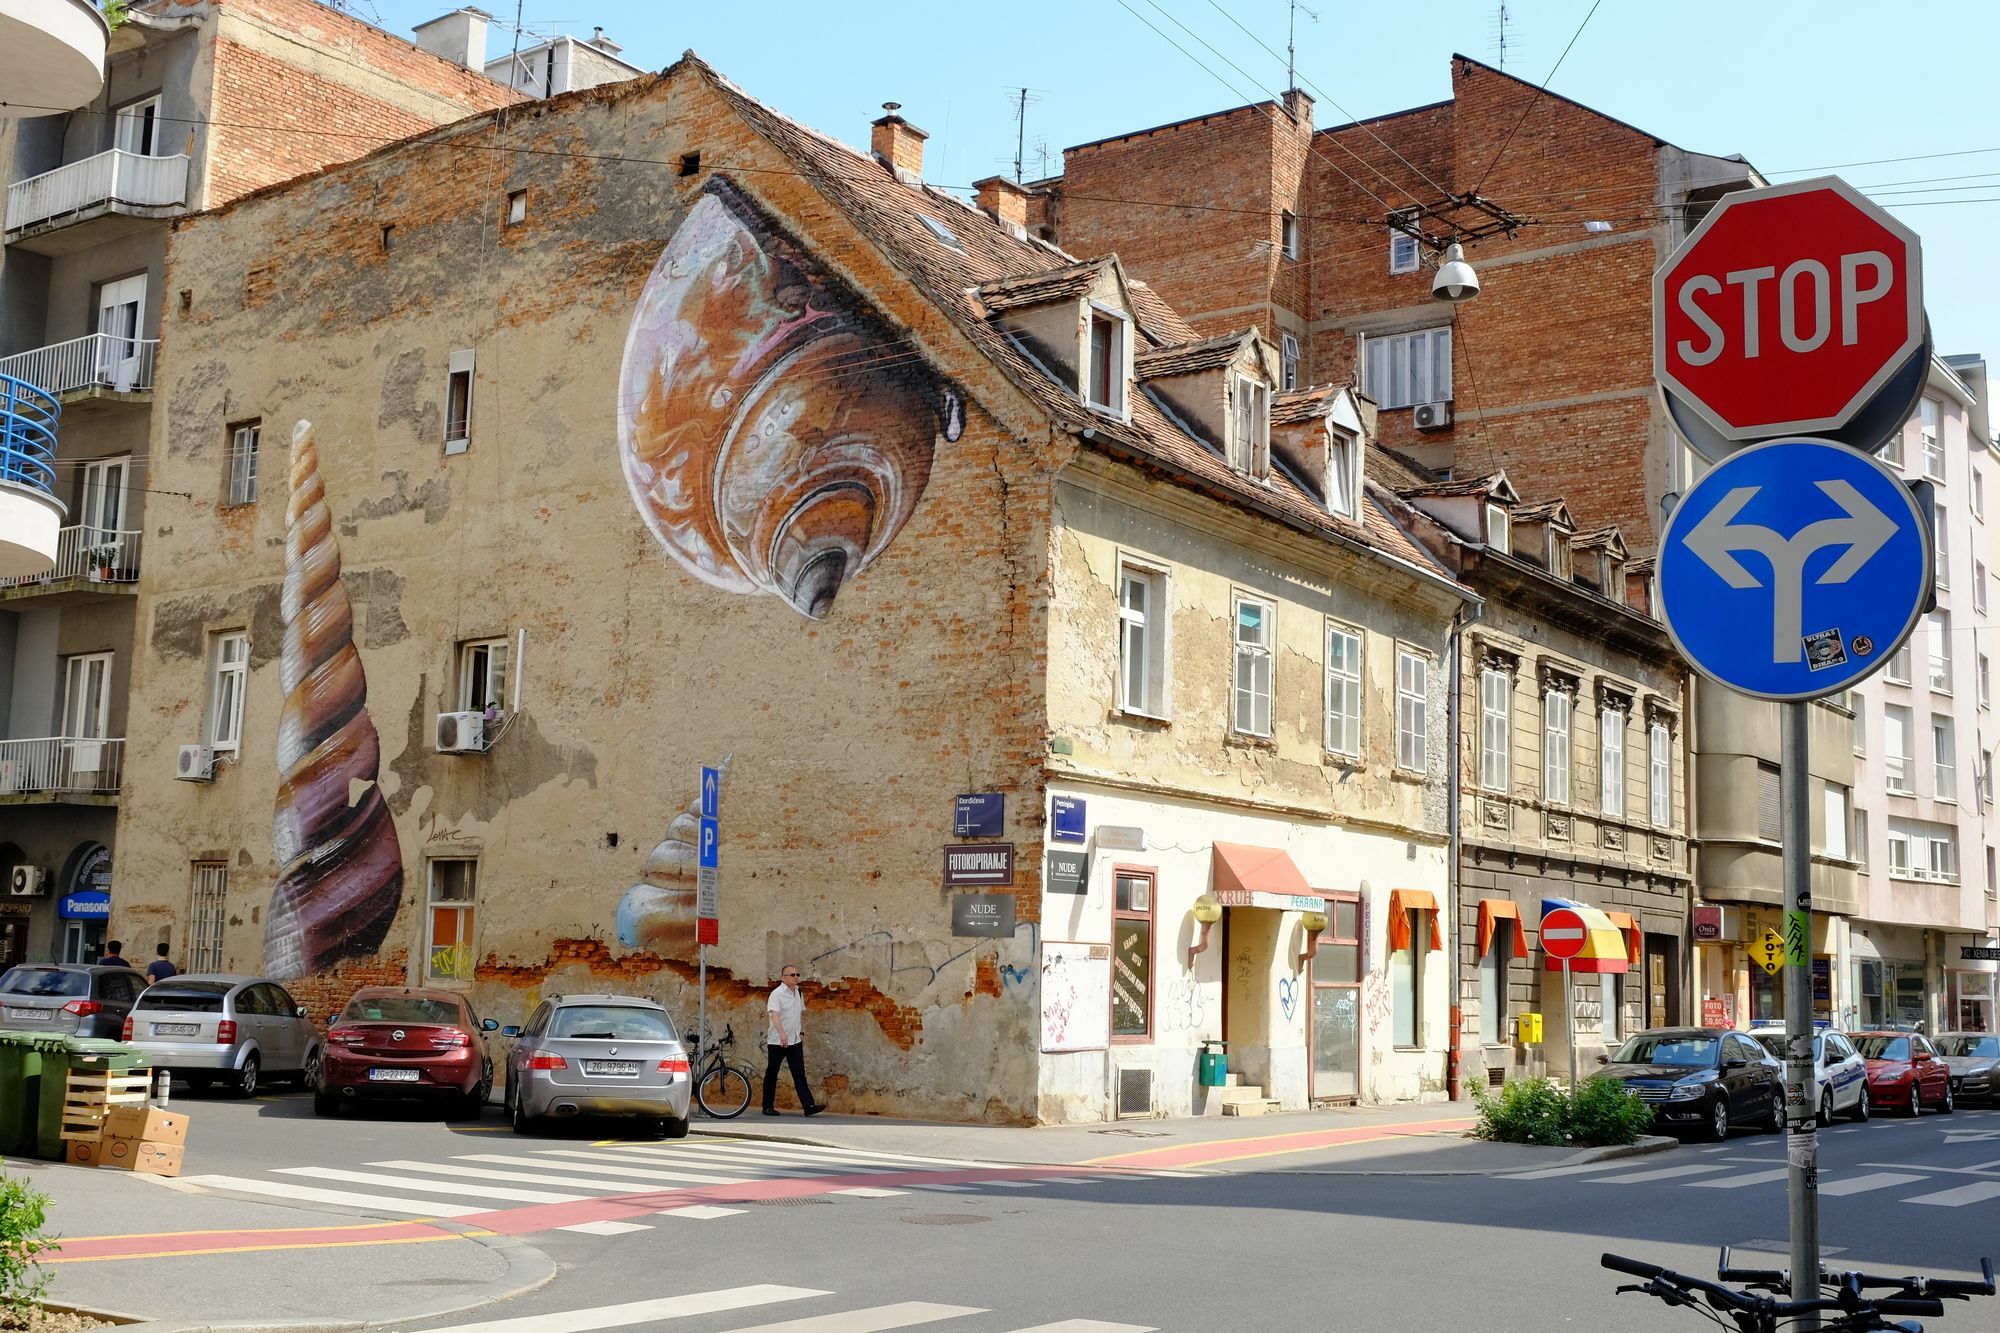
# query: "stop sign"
{"type": "Point", "coordinates": [1787, 310]}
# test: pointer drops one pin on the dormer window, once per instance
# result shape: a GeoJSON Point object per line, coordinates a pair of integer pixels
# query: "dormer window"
{"type": "Point", "coordinates": [1613, 570]}
{"type": "Point", "coordinates": [1559, 562]}
{"type": "Point", "coordinates": [1343, 473]}
{"type": "Point", "coordinates": [1250, 447]}
{"type": "Point", "coordinates": [1499, 530]}
{"type": "Point", "coordinates": [1104, 377]}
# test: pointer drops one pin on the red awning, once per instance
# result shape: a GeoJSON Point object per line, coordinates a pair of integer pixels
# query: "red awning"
{"type": "Point", "coordinates": [1633, 943]}
{"type": "Point", "coordinates": [1402, 902]}
{"type": "Point", "coordinates": [1245, 876]}
{"type": "Point", "coordinates": [1501, 909]}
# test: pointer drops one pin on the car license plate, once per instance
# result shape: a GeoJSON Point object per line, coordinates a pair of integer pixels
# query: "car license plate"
{"type": "Point", "coordinates": [626, 1067]}
{"type": "Point", "coordinates": [28, 1015]}
{"type": "Point", "coordinates": [176, 1029]}
{"type": "Point", "coordinates": [393, 1075]}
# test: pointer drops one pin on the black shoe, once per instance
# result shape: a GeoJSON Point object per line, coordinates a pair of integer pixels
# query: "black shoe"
{"type": "Point", "coordinates": [815, 1110]}
{"type": "Point", "coordinates": [769, 1111]}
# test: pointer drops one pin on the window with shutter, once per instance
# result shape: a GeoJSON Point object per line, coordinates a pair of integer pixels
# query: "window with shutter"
{"type": "Point", "coordinates": [1770, 826]}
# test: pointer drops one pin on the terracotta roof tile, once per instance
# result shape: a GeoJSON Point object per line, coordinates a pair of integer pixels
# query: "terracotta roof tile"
{"type": "Point", "coordinates": [1465, 486]}
{"type": "Point", "coordinates": [1057, 284]}
{"type": "Point", "coordinates": [1399, 472]}
{"type": "Point", "coordinates": [1541, 512]}
{"type": "Point", "coordinates": [1204, 354]}
{"type": "Point", "coordinates": [1296, 405]}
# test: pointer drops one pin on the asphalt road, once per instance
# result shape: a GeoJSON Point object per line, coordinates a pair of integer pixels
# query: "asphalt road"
{"type": "Point", "coordinates": [848, 1242]}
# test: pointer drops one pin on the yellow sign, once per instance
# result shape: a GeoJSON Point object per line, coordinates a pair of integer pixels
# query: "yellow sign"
{"type": "Point", "coordinates": [1769, 951]}
{"type": "Point", "coordinates": [1530, 1029]}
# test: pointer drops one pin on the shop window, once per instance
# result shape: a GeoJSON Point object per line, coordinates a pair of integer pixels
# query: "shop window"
{"type": "Point", "coordinates": [453, 892]}
{"type": "Point", "coordinates": [1614, 1008]}
{"type": "Point", "coordinates": [1132, 955]}
{"type": "Point", "coordinates": [1494, 965]}
{"type": "Point", "coordinates": [1407, 966]}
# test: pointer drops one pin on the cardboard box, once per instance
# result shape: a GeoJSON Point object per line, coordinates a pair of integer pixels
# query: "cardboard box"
{"type": "Point", "coordinates": [145, 1124]}
{"type": "Point", "coordinates": [84, 1152]}
{"type": "Point", "coordinates": [151, 1159]}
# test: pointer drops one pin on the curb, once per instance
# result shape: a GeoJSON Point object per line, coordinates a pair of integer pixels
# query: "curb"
{"type": "Point", "coordinates": [1649, 1143]}
{"type": "Point", "coordinates": [527, 1269]}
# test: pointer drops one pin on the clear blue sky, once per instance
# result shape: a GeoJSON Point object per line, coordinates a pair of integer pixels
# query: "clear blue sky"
{"type": "Point", "coordinates": [1791, 85]}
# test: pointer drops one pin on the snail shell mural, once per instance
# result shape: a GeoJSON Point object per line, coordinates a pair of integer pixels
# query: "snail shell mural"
{"type": "Point", "coordinates": [776, 435]}
{"type": "Point", "coordinates": [341, 868]}
{"type": "Point", "coordinates": [658, 912]}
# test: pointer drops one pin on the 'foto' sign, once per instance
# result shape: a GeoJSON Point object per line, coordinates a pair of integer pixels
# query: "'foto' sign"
{"type": "Point", "coordinates": [1787, 310]}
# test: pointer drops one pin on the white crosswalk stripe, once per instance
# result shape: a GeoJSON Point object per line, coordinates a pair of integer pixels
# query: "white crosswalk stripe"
{"type": "Point", "coordinates": [1831, 1184]}
{"type": "Point", "coordinates": [289, 1189]}
{"type": "Point", "coordinates": [1657, 1173]}
{"type": "Point", "coordinates": [495, 1192]}
{"type": "Point", "coordinates": [1738, 1182]}
{"type": "Point", "coordinates": [860, 1319]}
{"type": "Point", "coordinates": [1962, 1195]}
{"type": "Point", "coordinates": [901, 1315]}
{"type": "Point", "coordinates": [640, 1312]}
{"type": "Point", "coordinates": [1874, 1180]}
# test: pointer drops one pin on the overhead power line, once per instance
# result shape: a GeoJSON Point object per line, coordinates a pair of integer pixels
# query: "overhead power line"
{"type": "Point", "coordinates": [1508, 141]}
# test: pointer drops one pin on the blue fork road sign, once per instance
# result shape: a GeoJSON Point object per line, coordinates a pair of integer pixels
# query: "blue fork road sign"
{"type": "Point", "coordinates": [1794, 568]}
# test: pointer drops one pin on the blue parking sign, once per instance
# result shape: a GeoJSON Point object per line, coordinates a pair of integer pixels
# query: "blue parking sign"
{"type": "Point", "coordinates": [1794, 568]}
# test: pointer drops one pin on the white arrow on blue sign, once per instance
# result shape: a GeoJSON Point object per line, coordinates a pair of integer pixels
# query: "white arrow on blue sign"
{"type": "Point", "coordinates": [711, 793]}
{"type": "Point", "coordinates": [1794, 568]}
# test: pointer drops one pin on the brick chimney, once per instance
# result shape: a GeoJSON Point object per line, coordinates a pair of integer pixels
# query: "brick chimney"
{"type": "Point", "coordinates": [898, 143]}
{"type": "Point", "coordinates": [1003, 201]}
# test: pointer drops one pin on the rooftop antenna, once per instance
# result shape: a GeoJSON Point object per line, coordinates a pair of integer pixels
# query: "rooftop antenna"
{"type": "Point", "coordinates": [1022, 98]}
{"type": "Point", "coordinates": [1500, 20]}
{"type": "Point", "coordinates": [1292, 44]}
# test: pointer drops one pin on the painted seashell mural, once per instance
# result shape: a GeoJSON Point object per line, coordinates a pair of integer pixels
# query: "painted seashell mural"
{"type": "Point", "coordinates": [340, 867]}
{"type": "Point", "coordinates": [775, 434]}
{"type": "Point", "coordinates": [658, 912]}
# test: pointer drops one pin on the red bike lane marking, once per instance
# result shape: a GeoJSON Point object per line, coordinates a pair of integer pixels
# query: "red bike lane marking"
{"type": "Point", "coordinates": [84, 1249]}
{"type": "Point", "coordinates": [1274, 1145]}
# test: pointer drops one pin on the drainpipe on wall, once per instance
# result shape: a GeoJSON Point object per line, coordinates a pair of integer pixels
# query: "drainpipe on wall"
{"type": "Point", "coordinates": [1454, 674]}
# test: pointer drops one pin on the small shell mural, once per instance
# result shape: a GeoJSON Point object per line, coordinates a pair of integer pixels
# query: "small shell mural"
{"type": "Point", "coordinates": [657, 913]}
{"type": "Point", "coordinates": [341, 868]}
{"type": "Point", "coordinates": [775, 434]}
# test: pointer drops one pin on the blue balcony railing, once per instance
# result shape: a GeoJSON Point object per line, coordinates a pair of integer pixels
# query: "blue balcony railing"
{"type": "Point", "coordinates": [28, 435]}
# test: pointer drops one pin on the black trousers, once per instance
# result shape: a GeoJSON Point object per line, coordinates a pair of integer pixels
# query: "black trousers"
{"type": "Point", "coordinates": [795, 1056]}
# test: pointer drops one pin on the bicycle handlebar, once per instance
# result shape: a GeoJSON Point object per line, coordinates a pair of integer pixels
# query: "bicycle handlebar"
{"type": "Point", "coordinates": [1727, 1298]}
{"type": "Point", "coordinates": [1955, 1288]}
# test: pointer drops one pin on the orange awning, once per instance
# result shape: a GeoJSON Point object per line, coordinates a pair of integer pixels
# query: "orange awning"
{"type": "Point", "coordinates": [1501, 909]}
{"type": "Point", "coordinates": [1626, 922]}
{"type": "Point", "coordinates": [1402, 902]}
{"type": "Point", "coordinates": [1244, 876]}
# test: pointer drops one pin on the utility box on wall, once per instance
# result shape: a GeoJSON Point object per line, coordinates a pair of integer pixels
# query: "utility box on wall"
{"type": "Point", "coordinates": [1529, 1027]}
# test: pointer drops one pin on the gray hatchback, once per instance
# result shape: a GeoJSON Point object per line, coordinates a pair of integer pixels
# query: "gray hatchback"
{"type": "Point", "coordinates": [611, 1055]}
{"type": "Point", "coordinates": [238, 1031]}
{"type": "Point", "coordinates": [76, 999]}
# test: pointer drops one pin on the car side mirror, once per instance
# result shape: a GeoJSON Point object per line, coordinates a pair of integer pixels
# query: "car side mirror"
{"type": "Point", "coordinates": [301, 1012]}
{"type": "Point", "coordinates": [1603, 1059]}
{"type": "Point", "coordinates": [489, 1025]}
{"type": "Point", "coordinates": [1734, 1062]}
{"type": "Point", "coordinates": [511, 1030]}
{"type": "Point", "coordinates": [1923, 1055]}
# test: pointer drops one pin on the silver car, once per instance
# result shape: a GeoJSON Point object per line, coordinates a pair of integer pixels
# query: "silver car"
{"type": "Point", "coordinates": [613, 1055]}
{"type": "Point", "coordinates": [238, 1031]}
{"type": "Point", "coordinates": [76, 999]}
{"type": "Point", "coordinates": [1974, 1061]}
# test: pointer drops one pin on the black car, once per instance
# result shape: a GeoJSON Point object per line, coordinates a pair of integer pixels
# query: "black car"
{"type": "Point", "coordinates": [1703, 1079]}
{"type": "Point", "coordinates": [74, 999]}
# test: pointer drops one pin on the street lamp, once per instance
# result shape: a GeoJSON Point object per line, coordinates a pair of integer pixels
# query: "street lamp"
{"type": "Point", "coordinates": [1455, 280]}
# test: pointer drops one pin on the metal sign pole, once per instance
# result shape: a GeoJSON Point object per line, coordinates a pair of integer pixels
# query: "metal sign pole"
{"type": "Point", "coordinates": [1569, 1027]}
{"type": "Point", "coordinates": [1801, 1098]}
{"type": "Point", "coordinates": [701, 1009]}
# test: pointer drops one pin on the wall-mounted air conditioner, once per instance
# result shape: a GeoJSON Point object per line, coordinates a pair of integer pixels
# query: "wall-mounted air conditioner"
{"type": "Point", "coordinates": [1432, 416]}
{"type": "Point", "coordinates": [461, 733]}
{"type": "Point", "coordinates": [196, 763]}
{"type": "Point", "coordinates": [28, 881]}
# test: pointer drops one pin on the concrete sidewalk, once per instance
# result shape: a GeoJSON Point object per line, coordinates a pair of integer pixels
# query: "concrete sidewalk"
{"type": "Point", "coordinates": [214, 1265]}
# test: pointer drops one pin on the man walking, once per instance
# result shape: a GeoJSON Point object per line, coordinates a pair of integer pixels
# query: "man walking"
{"type": "Point", "coordinates": [785, 1042]}
{"type": "Point", "coordinates": [161, 967]}
{"type": "Point", "coordinates": [114, 955]}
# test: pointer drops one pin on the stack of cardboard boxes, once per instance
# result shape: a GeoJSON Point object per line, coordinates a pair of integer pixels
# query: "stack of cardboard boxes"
{"type": "Point", "coordinates": [135, 1138]}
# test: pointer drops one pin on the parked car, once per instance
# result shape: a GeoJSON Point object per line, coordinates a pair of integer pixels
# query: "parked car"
{"type": "Point", "coordinates": [402, 1043]}
{"type": "Point", "coordinates": [1973, 1060]}
{"type": "Point", "coordinates": [1843, 1074]}
{"type": "Point", "coordinates": [209, 1027]}
{"type": "Point", "coordinates": [610, 1055]}
{"type": "Point", "coordinates": [76, 999]}
{"type": "Point", "coordinates": [1904, 1071]}
{"type": "Point", "coordinates": [1702, 1079]}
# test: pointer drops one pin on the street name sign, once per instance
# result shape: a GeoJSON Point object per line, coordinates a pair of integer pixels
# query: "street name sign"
{"type": "Point", "coordinates": [979, 814]}
{"type": "Point", "coordinates": [1794, 568]}
{"type": "Point", "coordinates": [1790, 311]}
{"type": "Point", "coordinates": [1066, 818]}
{"type": "Point", "coordinates": [1768, 951]}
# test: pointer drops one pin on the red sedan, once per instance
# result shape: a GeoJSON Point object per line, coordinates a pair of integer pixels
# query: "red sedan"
{"type": "Point", "coordinates": [399, 1043]}
{"type": "Point", "coordinates": [1904, 1072]}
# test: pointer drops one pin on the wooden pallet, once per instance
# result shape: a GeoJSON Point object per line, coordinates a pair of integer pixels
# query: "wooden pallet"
{"type": "Point", "coordinates": [89, 1096]}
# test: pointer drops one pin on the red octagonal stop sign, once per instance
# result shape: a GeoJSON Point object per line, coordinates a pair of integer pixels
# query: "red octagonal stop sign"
{"type": "Point", "coordinates": [1787, 309]}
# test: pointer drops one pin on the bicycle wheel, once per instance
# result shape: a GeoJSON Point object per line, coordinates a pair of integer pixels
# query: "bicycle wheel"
{"type": "Point", "coordinates": [724, 1092]}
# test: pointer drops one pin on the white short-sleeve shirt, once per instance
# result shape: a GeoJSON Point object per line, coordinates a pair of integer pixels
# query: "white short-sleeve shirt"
{"type": "Point", "coordinates": [787, 1009]}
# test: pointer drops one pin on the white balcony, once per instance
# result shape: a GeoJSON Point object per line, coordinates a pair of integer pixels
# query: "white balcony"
{"type": "Point", "coordinates": [55, 54]}
{"type": "Point", "coordinates": [96, 361]}
{"type": "Point", "coordinates": [56, 766]}
{"type": "Point", "coordinates": [93, 555]}
{"type": "Point", "coordinates": [43, 210]}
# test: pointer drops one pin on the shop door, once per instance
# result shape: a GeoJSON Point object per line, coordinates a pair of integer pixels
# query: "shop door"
{"type": "Point", "coordinates": [1663, 981]}
{"type": "Point", "coordinates": [1335, 1035]}
{"type": "Point", "coordinates": [13, 940]}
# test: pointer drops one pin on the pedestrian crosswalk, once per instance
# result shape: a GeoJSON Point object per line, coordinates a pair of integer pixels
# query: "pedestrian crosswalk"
{"type": "Point", "coordinates": [801, 1310]}
{"type": "Point", "coordinates": [612, 1188]}
{"type": "Point", "coordinates": [1933, 1186]}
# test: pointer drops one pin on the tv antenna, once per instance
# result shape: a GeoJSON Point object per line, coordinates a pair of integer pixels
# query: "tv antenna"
{"type": "Point", "coordinates": [1501, 19]}
{"type": "Point", "coordinates": [1022, 98]}
{"type": "Point", "coordinates": [1292, 43]}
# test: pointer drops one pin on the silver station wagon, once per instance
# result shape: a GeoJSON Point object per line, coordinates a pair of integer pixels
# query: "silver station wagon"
{"type": "Point", "coordinates": [237, 1031]}
{"type": "Point", "coordinates": [598, 1055]}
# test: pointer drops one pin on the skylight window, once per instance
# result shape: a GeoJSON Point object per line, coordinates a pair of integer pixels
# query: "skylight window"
{"type": "Point", "coordinates": [942, 232]}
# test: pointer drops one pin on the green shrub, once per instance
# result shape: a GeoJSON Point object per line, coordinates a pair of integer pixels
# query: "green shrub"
{"type": "Point", "coordinates": [1539, 1111]}
{"type": "Point", "coordinates": [23, 1213]}
{"type": "Point", "coordinates": [1528, 1110]}
{"type": "Point", "coordinates": [1605, 1112]}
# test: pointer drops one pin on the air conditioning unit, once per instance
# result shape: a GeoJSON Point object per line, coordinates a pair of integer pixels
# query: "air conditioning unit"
{"type": "Point", "coordinates": [1432, 416]}
{"type": "Point", "coordinates": [28, 882]}
{"type": "Point", "coordinates": [461, 733]}
{"type": "Point", "coordinates": [195, 764]}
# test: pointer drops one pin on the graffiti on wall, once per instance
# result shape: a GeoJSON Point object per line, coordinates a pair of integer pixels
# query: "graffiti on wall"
{"type": "Point", "coordinates": [340, 871]}
{"type": "Point", "coordinates": [658, 912]}
{"type": "Point", "coordinates": [774, 433]}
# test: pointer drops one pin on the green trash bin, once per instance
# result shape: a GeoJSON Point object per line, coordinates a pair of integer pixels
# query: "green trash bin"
{"type": "Point", "coordinates": [20, 1089]}
{"type": "Point", "coordinates": [1214, 1065]}
{"type": "Point", "coordinates": [61, 1055]}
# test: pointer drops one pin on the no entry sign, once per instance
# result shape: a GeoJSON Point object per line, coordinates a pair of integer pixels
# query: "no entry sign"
{"type": "Point", "coordinates": [1788, 311]}
{"type": "Point", "coordinates": [1564, 933]}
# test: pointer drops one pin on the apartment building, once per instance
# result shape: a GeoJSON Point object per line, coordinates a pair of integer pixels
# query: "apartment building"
{"type": "Point", "coordinates": [1924, 738]}
{"type": "Point", "coordinates": [1079, 701]}
{"type": "Point", "coordinates": [533, 67]}
{"type": "Point", "coordinates": [203, 102]}
{"type": "Point", "coordinates": [1254, 213]}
